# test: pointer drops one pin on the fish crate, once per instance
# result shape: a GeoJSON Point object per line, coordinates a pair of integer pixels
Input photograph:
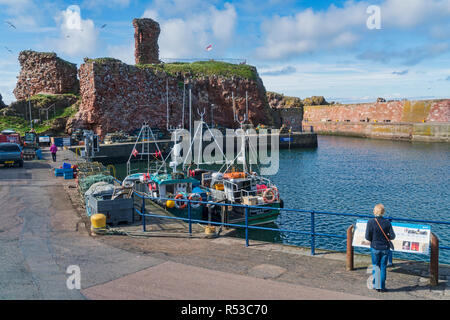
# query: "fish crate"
{"type": "Point", "coordinates": [116, 211]}
{"type": "Point", "coordinates": [60, 172]}
{"type": "Point", "coordinates": [68, 174]}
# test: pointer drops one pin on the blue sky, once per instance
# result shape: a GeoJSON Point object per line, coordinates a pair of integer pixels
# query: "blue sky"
{"type": "Point", "coordinates": [301, 48]}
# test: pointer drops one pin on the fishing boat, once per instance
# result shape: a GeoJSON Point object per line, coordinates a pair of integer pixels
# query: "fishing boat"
{"type": "Point", "coordinates": [168, 184]}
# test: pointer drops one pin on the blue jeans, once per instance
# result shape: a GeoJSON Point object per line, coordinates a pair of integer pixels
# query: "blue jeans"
{"type": "Point", "coordinates": [379, 264]}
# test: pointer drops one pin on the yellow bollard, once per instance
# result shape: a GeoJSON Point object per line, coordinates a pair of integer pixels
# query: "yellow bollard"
{"type": "Point", "coordinates": [76, 153]}
{"type": "Point", "coordinates": [98, 223]}
{"type": "Point", "coordinates": [110, 166]}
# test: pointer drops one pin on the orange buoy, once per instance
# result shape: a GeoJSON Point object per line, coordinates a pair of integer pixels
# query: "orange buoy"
{"type": "Point", "coordinates": [177, 203]}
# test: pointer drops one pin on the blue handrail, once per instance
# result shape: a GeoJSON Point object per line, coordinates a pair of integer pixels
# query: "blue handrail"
{"type": "Point", "coordinates": [312, 233]}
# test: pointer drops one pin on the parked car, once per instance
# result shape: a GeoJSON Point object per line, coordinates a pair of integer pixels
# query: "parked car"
{"type": "Point", "coordinates": [11, 154]}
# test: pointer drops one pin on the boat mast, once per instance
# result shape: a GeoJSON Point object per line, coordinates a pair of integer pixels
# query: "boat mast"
{"type": "Point", "coordinates": [184, 98]}
{"type": "Point", "coordinates": [190, 111]}
{"type": "Point", "coordinates": [246, 106]}
{"type": "Point", "coordinates": [167, 104]}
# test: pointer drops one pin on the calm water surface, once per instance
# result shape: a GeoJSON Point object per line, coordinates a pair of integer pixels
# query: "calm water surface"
{"type": "Point", "coordinates": [352, 175]}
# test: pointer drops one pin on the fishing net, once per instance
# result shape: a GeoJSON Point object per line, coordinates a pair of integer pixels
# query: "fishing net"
{"type": "Point", "coordinates": [100, 189]}
{"type": "Point", "coordinates": [85, 183]}
{"type": "Point", "coordinates": [87, 169]}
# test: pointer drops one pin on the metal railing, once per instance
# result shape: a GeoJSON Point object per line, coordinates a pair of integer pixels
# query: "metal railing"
{"type": "Point", "coordinates": [312, 214]}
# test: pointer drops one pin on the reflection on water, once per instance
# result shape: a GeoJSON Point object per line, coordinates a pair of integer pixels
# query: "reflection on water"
{"type": "Point", "coordinates": [352, 175]}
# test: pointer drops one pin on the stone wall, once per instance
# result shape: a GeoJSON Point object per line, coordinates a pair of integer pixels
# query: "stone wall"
{"type": "Point", "coordinates": [43, 72]}
{"type": "Point", "coordinates": [291, 118]}
{"type": "Point", "coordinates": [146, 33]}
{"type": "Point", "coordinates": [397, 120]}
{"type": "Point", "coordinates": [394, 112]}
{"type": "Point", "coordinates": [116, 96]}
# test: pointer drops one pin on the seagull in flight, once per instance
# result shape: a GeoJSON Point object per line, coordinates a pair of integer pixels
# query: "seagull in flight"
{"type": "Point", "coordinates": [103, 26]}
{"type": "Point", "coordinates": [10, 24]}
{"type": "Point", "coordinates": [9, 50]}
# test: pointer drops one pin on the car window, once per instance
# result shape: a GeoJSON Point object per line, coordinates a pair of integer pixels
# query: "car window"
{"type": "Point", "coordinates": [10, 148]}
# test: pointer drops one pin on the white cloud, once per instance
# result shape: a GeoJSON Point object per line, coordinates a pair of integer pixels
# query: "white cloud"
{"type": "Point", "coordinates": [9, 69]}
{"type": "Point", "coordinates": [310, 31]}
{"type": "Point", "coordinates": [92, 4]}
{"type": "Point", "coordinates": [411, 13]}
{"type": "Point", "coordinates": [22, 13]}
{"type": "Point", "coordinates": [125, 52]}
{"type": "Point", "coordinates": [77, 36]}
{"type": "Point", "coordinates": [196, 25]}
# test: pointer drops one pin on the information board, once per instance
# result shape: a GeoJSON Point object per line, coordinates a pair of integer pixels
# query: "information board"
{"type": "Point", "coordinates": [411, 238]}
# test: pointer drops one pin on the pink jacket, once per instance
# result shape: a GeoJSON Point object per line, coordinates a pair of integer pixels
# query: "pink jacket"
{"type": "Point", "coordinates": [53, 148]}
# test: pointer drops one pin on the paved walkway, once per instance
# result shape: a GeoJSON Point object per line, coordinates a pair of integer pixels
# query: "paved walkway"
{"type": "Point", "coordinates": [42, 233]}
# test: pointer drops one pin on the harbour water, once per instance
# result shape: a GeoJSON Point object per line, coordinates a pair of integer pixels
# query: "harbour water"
{"type": "Point", "coordinates": [351, 175]}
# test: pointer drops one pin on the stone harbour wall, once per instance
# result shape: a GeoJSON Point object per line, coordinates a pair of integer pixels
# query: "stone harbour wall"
{"type": "Point", "coordinates": [291, 117]}
{"type": "Point", "coordinates": [43, 72]}
{"type": "Point", "coordinates": [427, 120]}
{"type": "Point", "coordinates": [394, 112]}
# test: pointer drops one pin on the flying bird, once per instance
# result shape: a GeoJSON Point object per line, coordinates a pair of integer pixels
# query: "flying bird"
{"type": "Point", "coordinates": [103, 26]}
{"type": "Point", "coordinates": [209, 48]}
{"type": "Point", "coordinates": [9, 50]}
{"type": "Point", "coordinates": [10, 24]}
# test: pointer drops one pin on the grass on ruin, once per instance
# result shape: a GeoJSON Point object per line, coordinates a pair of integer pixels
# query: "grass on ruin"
{"type": "Point", "coordinates": [20, 125]}
{"type": "Point", "coordinates": [194, 69]}
{"type": "Point", "coordinates": [46, 100]}
{"type": "Point", "coordinates": [206, 68]}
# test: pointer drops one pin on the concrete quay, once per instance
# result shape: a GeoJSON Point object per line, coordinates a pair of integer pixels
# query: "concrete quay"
{"type": "Point", "coordinates": [43, 231]}
{"type": "Point", "coordinates": [120, 152]}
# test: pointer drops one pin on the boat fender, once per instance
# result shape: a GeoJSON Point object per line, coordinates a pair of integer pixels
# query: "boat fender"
{"type": "Point", "coordinates": [144, 177]}
{"type": "Point", "coordinates": [195, 197]}
{"type": "Point", "coordinates": [180, 204]}
{"type": "Point", "coordinates": [152, 186]}
{"type": "Point", "coordinates": [269, 195]}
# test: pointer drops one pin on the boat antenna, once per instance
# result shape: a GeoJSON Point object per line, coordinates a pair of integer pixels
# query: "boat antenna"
{"type": "Point", "coordinates": [167, 104]}
{"type": "Point", "coordinates": [201, 114]}
{"type": "Point", "coordinates": [184, 98]}
{"type": "Point", "coordinates": [190, 110]}
{"type": "Point", "coordinates": [234, 107]}
{"type": "Point", "coordinates": [246, 106]}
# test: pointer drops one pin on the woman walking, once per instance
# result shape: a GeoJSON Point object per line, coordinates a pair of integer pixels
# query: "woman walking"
{"type": "Point", "coordinates": [53, 150]}
{"type": "Point", "coordinates": [380, 233]}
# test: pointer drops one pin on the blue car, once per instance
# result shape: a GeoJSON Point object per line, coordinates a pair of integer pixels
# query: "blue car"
{"type": "Point", "coordinates": [11, 154]}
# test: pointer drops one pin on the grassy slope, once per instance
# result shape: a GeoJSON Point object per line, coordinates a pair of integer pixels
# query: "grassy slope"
{"type": "Point", "coordinates": [21, 125]}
